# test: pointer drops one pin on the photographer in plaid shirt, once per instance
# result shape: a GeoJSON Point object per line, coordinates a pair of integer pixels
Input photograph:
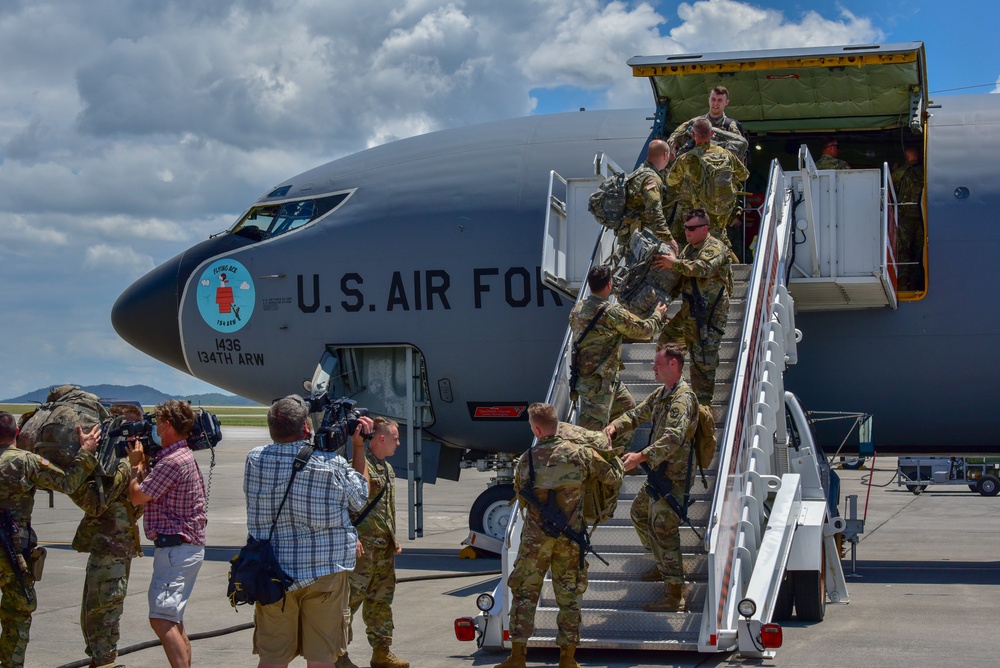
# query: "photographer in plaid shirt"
{"type": "Point", "coordinates": [314, 540]}
{"type": "Point", "coordinates": [173, 493]}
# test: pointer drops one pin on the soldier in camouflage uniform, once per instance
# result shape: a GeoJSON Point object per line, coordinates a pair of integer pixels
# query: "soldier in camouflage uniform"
{"type": "Point", "coordinates": [561, 467]}
{"type": "Point", "coordinates": [373, 581]}
{"type": "Point", "coordinates": [644, 208]}
{"type": "Point", "coordinates": [828, 157]}
{"type": "Point", "coordinates": [681, 140]}
{"type": "Point", "coordinates": [708, 177]}
{"type": "Point", "coordinates": [909, 183]}
{"type": "Point", "coordinates": [705, 265]}
{"type": "Point", "coordinates": [673, 410]}
{"type": "Point", "coordinates": [599, 353]}
{"type": "Point", "coordinates": [108, 531]}
{"type": "Point", "coordinates": [21, 473]}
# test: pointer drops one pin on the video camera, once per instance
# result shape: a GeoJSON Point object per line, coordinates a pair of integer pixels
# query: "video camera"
{"type": "Point", "coordinates": [206, 432]}
{"type": "Point", "coordinates": [340, 421]}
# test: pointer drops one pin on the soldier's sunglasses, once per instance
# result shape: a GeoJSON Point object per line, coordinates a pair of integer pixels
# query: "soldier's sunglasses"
{"type": "Point", "coordinates": [695, 227]}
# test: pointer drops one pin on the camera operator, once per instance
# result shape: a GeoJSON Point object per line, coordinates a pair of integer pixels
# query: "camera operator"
{"type": "Point", "coordinates": [173, 492]}
{"type": "Point", "coordinates": [314, 541]}
{"type": "Point", "coordinates": [22, 472]}
{"type": "Point", "coordinates": [108, 531]}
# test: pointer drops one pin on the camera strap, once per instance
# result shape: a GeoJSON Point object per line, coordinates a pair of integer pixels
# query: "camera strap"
{"type": "Point", "coordinates": [301, 459]}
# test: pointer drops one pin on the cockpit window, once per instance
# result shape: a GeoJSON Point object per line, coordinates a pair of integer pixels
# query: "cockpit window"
{"type": "Point", "coordinates": [270, 220]}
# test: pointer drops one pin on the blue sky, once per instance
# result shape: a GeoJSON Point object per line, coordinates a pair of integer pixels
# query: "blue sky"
{"type": "Point", "coordinates": [134, 130]}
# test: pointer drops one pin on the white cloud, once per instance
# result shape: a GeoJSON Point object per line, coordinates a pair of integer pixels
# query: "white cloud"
{"type": "Point", "coordinates": [134, 130]}
{"type": "Point", "coordinates": [122, 259]}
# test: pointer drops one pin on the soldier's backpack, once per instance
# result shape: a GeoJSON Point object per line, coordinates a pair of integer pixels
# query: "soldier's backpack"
{"type": "Point", "coordinates": [608, 203]}
{"type": "Point", "coordinates": [704, 441]}
{"type": "Point", "coordinates": [600, 499]}
{"type": "Point", "coordinates": [50, 430]}
{"type": "Point", "coordinates": [637, 284]}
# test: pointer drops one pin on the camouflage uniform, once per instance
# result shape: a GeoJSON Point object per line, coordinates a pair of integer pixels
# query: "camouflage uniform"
{"type": "Point", "coordinates": [674, 415]}
{"type": "Point", "coordinates": [561, 468]}
{"type": "Point", "coordinates": [20, 474]}
{"type": "Point", "coordinates": [714, 190]}
{"type": "Point", "coordinates": [706, 266]}
{"type": "Point", "coordinates": [644, 206]}
{"type": "Point", "coordinates": [909, 183]}
{"type": "Point", "coordinates": [108, 531]}
{"type": "Point", "coordinates": [829, 162]}
{"type": "Point", "coordinates": [373, 580]}
{"type": "Point", "coordinates": [682, 141]}
{"type": "Point", "coordinates": [599, 357]}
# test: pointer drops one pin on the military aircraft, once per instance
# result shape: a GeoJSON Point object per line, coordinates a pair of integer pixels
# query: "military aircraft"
{"type": "Point", "coordinates": [414, 269]}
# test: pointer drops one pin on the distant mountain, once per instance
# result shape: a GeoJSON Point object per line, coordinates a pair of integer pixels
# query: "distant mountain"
{"type": "Point", "coordinates": [144, 394]}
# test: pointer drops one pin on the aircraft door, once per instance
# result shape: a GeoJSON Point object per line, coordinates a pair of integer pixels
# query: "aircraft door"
{"type": "Point", "coordinates": [571, 232]}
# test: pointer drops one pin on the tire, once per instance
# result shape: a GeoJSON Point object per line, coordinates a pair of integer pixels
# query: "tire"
{"type": "Point", "coordinates": [852, 463]}
{"type": "Point", "coordinates": [491, 513]}
{"type": "Point", "coordinates": [916, 489]}
{"type": "Point", "coordinates": [810, 595]}
{"type": "Point", "coordinates": [786, 599]}
{"type": "Point", "coordinates": [989, 485]}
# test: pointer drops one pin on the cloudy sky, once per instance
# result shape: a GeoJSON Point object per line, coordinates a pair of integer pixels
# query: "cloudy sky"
{"type": "Point", "coordinates": [131, 130]}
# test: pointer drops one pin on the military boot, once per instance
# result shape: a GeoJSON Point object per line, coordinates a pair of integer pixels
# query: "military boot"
{"type": "Point", "coordinates": [566, 659]}
{"type": "Point", "coordinates": [673, 601]}
{"type": "Point", "coordinates": [344, 661]}
{"type": "Point", "coordinates": [382, 657]}
{"type": "Point", "coordinates": [517, 658]}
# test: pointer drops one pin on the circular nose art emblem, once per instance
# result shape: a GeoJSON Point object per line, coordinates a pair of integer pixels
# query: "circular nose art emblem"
{"type": "Point", "coordinates": [226, 295]}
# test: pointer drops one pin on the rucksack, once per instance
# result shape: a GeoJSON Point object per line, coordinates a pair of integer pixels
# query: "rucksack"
{"type": "Point", "coordinates": [608, 203]}
{"type": "Point", "coordinates": [637, 284]}
{"type": "Point", "coordinates": [704, 441]}
{"type": "Point", "coordinates": [600, 499]}
{"type": "Point", "coordinates": [50, 430]}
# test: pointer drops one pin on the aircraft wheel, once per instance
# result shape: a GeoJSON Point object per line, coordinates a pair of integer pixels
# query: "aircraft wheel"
{"type": "Point", "coordinates": [810, 595]}
{"type": "Point", "coordinates": [491, 513]}
{"type": "Point", "coordinates": [988, 485]}
{"type": "Point", "coordinates": [916, 489]}
{"type": "Point", "coordinates": [786, 599]}
{"type": "Point", "coordinates": [853, 463]}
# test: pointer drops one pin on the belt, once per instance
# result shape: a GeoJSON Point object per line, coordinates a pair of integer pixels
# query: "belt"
{"type": "Point", "coordinates": [169, 540]}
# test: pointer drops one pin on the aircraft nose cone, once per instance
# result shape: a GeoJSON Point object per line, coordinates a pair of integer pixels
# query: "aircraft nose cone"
{"type": "Point", "coordinates": [145, 315]}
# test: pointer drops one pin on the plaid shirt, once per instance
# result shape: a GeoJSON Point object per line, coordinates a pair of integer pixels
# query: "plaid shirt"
{"type": "Point", "coordinates": [313, 536]}
{"type": "Point", "coordinates": [178, 492]}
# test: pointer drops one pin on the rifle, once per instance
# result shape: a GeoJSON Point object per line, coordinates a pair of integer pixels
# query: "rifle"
{"type": "Point", "coordinates": [554, 521]}
{"type": "Point", "coordinates": [658, 486]}
{"type": "Point", "coordinates": [8, 529]}
{"type": "Point", "coordinates": [700, 311]}
{"type": "Point", "coordinates": [574, 368]}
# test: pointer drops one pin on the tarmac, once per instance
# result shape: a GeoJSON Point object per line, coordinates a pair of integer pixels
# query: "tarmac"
{"type": "Point", "coordinates": [925, 591]}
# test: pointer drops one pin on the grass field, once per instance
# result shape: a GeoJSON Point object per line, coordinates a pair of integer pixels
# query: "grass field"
{"type": "Point", "coordinates": [231, 416]}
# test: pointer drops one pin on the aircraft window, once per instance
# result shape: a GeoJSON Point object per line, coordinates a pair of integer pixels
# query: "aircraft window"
{"type": "Point", "coordinates": [265, 222]}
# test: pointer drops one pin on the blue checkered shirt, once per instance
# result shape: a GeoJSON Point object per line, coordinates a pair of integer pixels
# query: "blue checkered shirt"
{"type": "Point", "coordinates": [313, 536]}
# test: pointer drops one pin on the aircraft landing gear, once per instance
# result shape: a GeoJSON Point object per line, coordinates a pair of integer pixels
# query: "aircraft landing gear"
{"type": "Point", "coordinates": [492, 513]}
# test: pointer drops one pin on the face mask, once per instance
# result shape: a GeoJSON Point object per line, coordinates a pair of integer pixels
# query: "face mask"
{"type": "Point", "coordinates": [155, 437]}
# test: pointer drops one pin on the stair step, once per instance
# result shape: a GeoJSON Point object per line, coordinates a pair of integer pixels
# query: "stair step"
{"type": "Point", "coordinates": [598, 625]}
{"type": "Point", "coordinates": [624, 539]}
{"type": "Point", "coordinates": [632, 565]}
{"type": "Point", "coordinates": [624, 594]}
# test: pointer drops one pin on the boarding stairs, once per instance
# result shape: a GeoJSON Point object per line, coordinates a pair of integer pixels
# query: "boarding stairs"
{"type": "Point", "coordinates": [767, 535]}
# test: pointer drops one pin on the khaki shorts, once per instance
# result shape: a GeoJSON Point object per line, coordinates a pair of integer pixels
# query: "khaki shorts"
{"type": "Point", "coordinates": [314, 624]}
